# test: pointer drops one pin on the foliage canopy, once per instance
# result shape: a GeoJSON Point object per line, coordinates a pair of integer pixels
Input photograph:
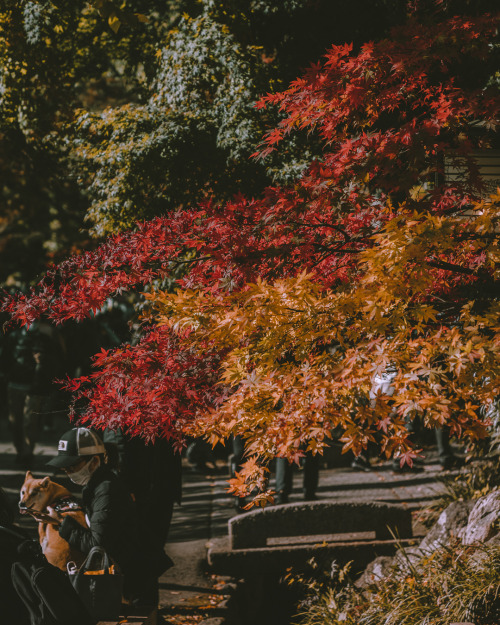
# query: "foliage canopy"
{"type": "Point", "coordinates": [374, 260]}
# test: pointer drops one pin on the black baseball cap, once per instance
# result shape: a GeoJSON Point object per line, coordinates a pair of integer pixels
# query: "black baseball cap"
{"type": "Point", "coordinates": [74, 445]}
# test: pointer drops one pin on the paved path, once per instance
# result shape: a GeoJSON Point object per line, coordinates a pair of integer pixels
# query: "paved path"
{"type": "Point", "coordinates": [206, 506]}
{"type": "Point", "coordinates": [187, 589]}
{"type": "Point", "coordinates": [188, 592]}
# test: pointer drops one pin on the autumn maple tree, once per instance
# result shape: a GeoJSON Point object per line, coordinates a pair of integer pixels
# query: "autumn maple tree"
{"type": "Point", "coordinates": [381, 256]}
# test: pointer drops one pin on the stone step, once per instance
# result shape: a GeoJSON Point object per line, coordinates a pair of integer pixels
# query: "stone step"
{"type": "Point", "coordinates": [139, 618]}
{"type": "Point", "coordinates": [273, 560]}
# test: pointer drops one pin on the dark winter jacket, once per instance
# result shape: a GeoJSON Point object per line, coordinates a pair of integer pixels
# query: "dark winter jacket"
{"type": "Point", "coordinates": [20, 362]}
{"type": "Point", "coordinates": [32, 360]}
{"type": "Point", "coordinates": [150, 471]}
{"type": "Point", "coordinates": [112, 520]}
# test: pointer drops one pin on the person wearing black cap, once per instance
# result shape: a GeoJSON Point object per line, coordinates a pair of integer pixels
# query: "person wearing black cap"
{"type": "Point", "coordinates": [110, 510]}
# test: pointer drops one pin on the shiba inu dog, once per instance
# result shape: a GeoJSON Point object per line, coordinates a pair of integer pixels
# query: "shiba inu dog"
{"type": "Point", "coordinates": [36, 496]}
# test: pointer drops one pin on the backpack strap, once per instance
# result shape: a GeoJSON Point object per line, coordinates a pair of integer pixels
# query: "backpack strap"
{"type": "Point", "coordinates": [13, 533]}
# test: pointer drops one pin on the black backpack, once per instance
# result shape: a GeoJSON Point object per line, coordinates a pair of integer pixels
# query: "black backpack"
{"type": "Point", "coordinates": [13, 610]}
{"type": "Point", "coordinates": [46, 590]}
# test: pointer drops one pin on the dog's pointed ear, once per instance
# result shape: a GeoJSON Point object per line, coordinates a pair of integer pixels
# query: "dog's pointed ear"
{"type": "Point", "coordinates": [45, 482]}
{"type": "Point", "coordinates": [28, 475]}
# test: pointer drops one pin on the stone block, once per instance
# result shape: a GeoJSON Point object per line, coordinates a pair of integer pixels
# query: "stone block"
{"type": "Point", "coordinates": [214, 620]}
{"type": "Point", "coordinates": [319, 518]}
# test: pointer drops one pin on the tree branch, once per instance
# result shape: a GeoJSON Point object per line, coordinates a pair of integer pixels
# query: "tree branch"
{"type": "Point", "coordinates": [441, 264]}
{"type": "Point", "coordinates": [322, 224]}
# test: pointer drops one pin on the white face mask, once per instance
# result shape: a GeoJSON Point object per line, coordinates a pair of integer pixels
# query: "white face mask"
{"type": "Point", "coordinates": [83, 475]}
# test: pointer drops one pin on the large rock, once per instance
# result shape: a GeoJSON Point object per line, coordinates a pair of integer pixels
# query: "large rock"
{"type": "Point", "coordinates": [483, 519]}
{"type": "Point", "coordinates": [450, 524]}
{"type": "Point", "coordinates": [375, 571]}
{"type": "Point", "coordinates": [470, 521]}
